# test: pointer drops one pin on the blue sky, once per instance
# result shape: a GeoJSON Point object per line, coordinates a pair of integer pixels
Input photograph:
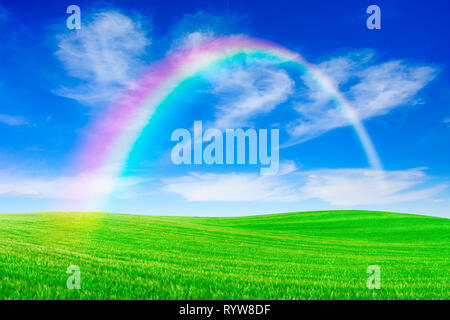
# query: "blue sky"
{"type": "Point", "coordinates": [54, 82]}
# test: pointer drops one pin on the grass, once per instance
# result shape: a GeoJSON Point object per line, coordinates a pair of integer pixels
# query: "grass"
{"type": "Point", "coordinates": [309, 255]}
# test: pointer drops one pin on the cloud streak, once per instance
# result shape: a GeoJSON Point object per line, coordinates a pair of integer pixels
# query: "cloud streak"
{"type": "Point", "coordinates": [232, 187]}
{"type": "Point", "coordinates": [248, 92]}
{"type": "Point", "coordinates": [372, 90]}
{"type": "Point", "coordinates": [338, 187]}
{"type": "Point", "coordinates": [104, 55]}
{"type": "Point", "coordinates": [351, 187]}
{"type": "Point", "coordinates": [4, 14]}
{"type": "Point", "coordinates": [12, 121]}
{"type": "Point", "coordinates": [58, 187]}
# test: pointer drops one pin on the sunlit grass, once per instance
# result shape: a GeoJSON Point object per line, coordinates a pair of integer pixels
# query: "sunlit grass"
{"type": "Point", "coordinates": [310, 255]}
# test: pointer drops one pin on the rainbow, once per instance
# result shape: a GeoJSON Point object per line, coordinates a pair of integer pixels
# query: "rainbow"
{"type": "Point", "coordinates": [104, 153]}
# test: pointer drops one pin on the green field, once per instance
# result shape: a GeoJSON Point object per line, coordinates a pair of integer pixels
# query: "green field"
{"type": "Point", "coordinates": [306, 255]}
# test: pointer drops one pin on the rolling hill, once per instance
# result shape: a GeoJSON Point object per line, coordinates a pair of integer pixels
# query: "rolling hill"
{"type": "Point", "coordinates": [304, 255]}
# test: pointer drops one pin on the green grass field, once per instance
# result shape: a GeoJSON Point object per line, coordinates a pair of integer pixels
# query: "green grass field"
{"type": "Point", "coordinates": [308, 255]}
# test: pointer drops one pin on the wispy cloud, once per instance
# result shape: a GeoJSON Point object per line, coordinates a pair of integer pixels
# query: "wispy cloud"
{"type": "Point", "coordinates": [199, 26]}
{"type": "Point", "coordinates": [105, 55]}
{"type": "Point", "coordinates": [4, 14]}
{"type": "Point", "coordinates": [349, 187]}
{"type": "Point", "coordinates": [58, 187]}
{"type": "Point", "coordinates": [232, 187]}
{"type": "Point", "coordinates": [373, 89]}
{"type": "Point", "coordinates": [340, 187]}
{"type": "Point", "coordinates": [248, 92]}
{"type": "Point", "coordinates": [12, 120]}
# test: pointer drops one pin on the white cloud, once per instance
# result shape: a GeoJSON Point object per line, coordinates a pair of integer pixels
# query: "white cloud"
{"type": "Point", "coordinates": [338, 187]}
{"type": "Point", "coordinates": [349, 187]}
{"type": "Point", "coordinates": [192, 39]}
{"type": "Point", "coordinates": [228, 187]}
{"type": "Point", "coordinates": [386, 86]}
{"type": "Point", "coordinates": [104, 54]}
{"type": "Point", "coordinates": [341, 68]}
{"type": "Point", "coordinates": [248, 92]}
{"type": "Point", "coordinates": [372, 90]}
{"type": "Point", "coordinates": [341, 187]}
{"type": "Point", "coordinates": [61, 187]}
{"type": "Point", "coordinates": [12, 120]}
{"type": "Point", "coordinates": [195, 28]}
{"type": "Point", "coordinates": [233, 187]}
